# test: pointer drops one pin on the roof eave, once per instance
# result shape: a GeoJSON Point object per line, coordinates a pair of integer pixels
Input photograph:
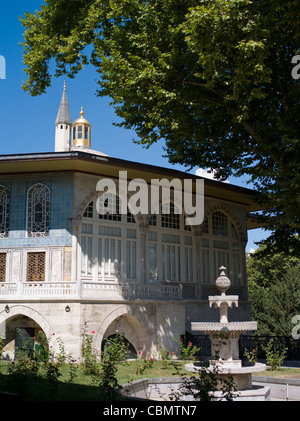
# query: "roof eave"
{"type": "Point", "coordinates": [56, 159]}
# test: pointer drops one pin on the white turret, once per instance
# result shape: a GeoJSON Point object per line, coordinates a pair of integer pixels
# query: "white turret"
{"type": "Point", "coordinates": [63, 125]}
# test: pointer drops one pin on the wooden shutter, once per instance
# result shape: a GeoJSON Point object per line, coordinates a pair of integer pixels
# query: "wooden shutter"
{"type": "Point", "coordinates": [36, 267]}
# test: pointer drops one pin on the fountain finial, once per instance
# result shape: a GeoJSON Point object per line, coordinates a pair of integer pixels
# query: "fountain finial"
{"type": "Point", "coordinates": [223, 282]}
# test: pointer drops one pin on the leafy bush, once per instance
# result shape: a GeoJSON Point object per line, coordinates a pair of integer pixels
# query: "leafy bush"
{"type": "Point", "coordinates": [89, 353]}
{"type": "Point", "coordinates": [274, 356]}
{"type": "Point", "coordinates": [115, 350]}
{"type": "Point", "coordinates": [187, 352]}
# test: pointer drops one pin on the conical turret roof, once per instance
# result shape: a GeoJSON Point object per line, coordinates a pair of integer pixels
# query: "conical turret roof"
{"type": "Point", "coordinates": [63, 115]}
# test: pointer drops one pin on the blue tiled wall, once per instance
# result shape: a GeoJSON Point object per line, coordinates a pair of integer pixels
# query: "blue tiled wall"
{"type": "Point", "coordinates": [61, 188]}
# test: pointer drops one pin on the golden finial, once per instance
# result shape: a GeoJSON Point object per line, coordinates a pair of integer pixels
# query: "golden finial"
{"type": "Point", "coordinates": [65, 85]}
{"type": "Point", "coordinates": [81, 112]}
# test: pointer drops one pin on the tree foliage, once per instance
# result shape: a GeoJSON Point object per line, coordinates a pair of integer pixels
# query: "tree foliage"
{"type": "Point", "coordinates": [211, 79]}
{"type": "Point", "coordinates": [274, 290]}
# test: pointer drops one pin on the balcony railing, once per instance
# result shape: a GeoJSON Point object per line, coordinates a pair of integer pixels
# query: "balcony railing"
{"type": "Point", "coordinates": [109, 291]}
{"type": "Point", "coordinates": [37, 290]}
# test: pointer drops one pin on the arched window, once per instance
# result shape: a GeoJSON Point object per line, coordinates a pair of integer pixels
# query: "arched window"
{"type": "Point", "coordinates": [108, 241]}
{"type": "Point", "coordinates": [219, 224]}
{"type": "Point", "coordinates": [4, 211]}
{"type": "Point", "coordinates": [38, 211]}
{"type": "Point", "coordinates": [220, 246]}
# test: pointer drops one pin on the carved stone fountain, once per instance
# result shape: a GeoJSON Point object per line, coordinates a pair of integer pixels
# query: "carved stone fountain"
{"type": "Point", "coordinates": [224, 336]}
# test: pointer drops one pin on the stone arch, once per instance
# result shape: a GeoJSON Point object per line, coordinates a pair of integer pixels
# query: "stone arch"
{"type": "Point", "coordinates": [128, 325]}
{"type": "Point", "coordinates": [231, 215]}
{"type": "Point", "coordinates": [89, 198]}
{"type": "Point", "coordinates": [20, 316]}
{"type": "Point", "coordinates": [21, 310]}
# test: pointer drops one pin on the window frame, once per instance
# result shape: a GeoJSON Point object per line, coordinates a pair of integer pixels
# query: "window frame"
{"type": "Point", "coordinates": [32, 232]}
{"type": "Point", "coordinates": [214, 253]}
{"type": "Point", "coordinates": [114, 235]}
{"type": "Point", "coordinates": [5, 224]}
{"type": "Point", "coordinates": [3, 275]}
{"type": "Point", "coordinates": [168, 249]}
{"type": "Point", "coordinates": [36, 252]}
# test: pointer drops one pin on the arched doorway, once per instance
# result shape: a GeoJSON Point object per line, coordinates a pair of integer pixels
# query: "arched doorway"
{"type": "Point", "coordinates": [20, 326]}
{"type": "Point", "coordinates": [20, 334]}
{"type": "Point", "coordinates": [127, 325]}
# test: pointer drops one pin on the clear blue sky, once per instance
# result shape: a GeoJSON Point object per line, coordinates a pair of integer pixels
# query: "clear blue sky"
{"type": "Point", "coordinates": [27, 123]}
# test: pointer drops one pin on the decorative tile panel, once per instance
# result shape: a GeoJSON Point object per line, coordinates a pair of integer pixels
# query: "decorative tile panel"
{"type": "Point", "coordinates": [61, 194]}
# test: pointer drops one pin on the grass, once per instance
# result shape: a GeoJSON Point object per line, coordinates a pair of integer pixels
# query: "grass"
{"type": "Point", "coordinates": [85, 387]}
{"type": "Point", "coordinates": [280, 372]}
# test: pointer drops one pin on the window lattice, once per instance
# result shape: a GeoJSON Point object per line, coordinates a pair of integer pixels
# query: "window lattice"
{"type": "Point", "coordinates": [89, 212]}
{"type": "Point", "coordinates": [109, 207]}
{"type": "Point", "coordinates": [4, 211]}
{"type": "Point", "coordinates": [220, 224]}
{"type": "Point", "coordinates": [36, 267]}
{"type": "Point", "coordinates": [169, 219]}
{"type": "Point", "coordinates": [221, 250]}
{"type": "Point", "coordinates": [2, 267]}
{"type": "Point", "coordinates": [205, 229]}
{"type": "Point", "coordinates": [130, 217]}
{"type": "Point", "coordinates": [38, 211]}
{"type": "Point", "coordinates": [153, 220]}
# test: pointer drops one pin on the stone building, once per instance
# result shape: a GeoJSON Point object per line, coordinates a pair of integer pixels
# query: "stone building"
{"type": "Point", "coordinates": [65, 265]}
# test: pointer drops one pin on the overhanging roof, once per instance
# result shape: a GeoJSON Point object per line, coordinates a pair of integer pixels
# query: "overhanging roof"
{"type": "Point", "coordinates": [102, 165]}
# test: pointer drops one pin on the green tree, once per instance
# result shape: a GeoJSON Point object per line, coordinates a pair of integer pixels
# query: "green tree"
{"type": "Point", "coordinates": [210, 78]}
{"type": "Point", "coordinates": [264, 270]}
{"type": "Point", "coordinates": [274, 290]}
